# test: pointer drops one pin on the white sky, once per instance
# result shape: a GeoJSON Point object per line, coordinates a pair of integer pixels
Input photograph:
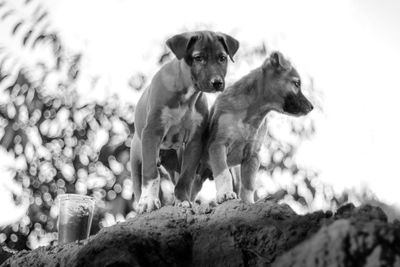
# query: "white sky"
{"type": "Point", "coordinates": [350, 48]}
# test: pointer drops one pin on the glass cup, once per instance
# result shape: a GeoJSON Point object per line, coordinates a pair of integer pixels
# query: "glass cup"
{"type": "Point", "coordinates": [75, 218]}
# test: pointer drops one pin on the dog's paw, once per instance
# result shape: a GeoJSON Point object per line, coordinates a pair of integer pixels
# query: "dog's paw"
{"type": "Point", "coordinates": [183, 204]}
{"type": "Point", "coordinates": [247, 195]}
{"type": "Point", "coordinates": [182, 197]}
{"type": "Point", "coordinates": [148, 204]}
{"type": "Point", "coordinates": [226, 196]}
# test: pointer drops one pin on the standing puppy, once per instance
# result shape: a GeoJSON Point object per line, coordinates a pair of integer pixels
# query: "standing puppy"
{"type": "Point", "coordinates": [172, 112]}
{"type": "Point", "coordinates": [238, 125]}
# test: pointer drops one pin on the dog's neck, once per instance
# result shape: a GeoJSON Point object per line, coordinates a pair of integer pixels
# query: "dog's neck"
{"type": "Point", "coordinates": [246, 96]}
{"type": "Point", "coordinates": [184, 76]}
{"type": "Point", "coordinates": [176, 76]}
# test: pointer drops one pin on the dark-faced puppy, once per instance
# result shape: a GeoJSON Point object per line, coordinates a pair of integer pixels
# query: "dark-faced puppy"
{"type": "Point", "coordinates": [172, 114]}
{"type": "Point", "coordinates": [207, 55]}
{"type": "Point", "coordinates": [237, 126]}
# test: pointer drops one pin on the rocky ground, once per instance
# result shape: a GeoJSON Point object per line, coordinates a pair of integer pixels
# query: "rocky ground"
{"type": "Point", "coordinates": [234, 234]}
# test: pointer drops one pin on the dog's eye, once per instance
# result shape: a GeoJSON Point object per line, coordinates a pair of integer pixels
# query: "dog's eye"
{"type": "Point", "coordinates": [198, 58]}
{"type": "Point", "coordinates": [222, 58]}
{"type": "Point", "coordinates": [297, 84]}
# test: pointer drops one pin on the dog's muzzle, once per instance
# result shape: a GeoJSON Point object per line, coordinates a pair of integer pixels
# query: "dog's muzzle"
{"type": "Point", "coordinates": [297, 104]}
{"type": "Point", "coordinates": [217, 84]}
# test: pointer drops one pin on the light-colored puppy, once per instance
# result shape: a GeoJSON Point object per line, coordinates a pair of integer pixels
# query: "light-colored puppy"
{"type": "Point", "coordinates": [237, 125]}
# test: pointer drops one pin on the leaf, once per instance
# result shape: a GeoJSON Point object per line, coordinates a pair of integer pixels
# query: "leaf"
{"type": "Point", "coordinates": [17, 26]}
{"type": "Point", "coordinates": [42, 34]}
{"type": "Point", "coordinates": [45, 14]}
{"type": "Point", "coordinates": [3, 76]}
{"type": "Point", "coordinates": [166, 56]}
{"type": "Point", "coordinates": [37, 10]}
{"type": "Point", "coordinates": [3, 111]}
{"type": "Point", "coordinates": [73, 70]}
{"type": "Point", "coordinates": [8, 137]}
{"type": "Point", "coordinates": [38, 39]}
{"type": "Point", "coordinates": [137, 82]}
{"type": "Point", "coordinates": [8, 13]}
{"type": "Point", "coordinates": [26, 38]}
{"type": "Point", "coordinates": [4, 61]}
{"type": "Point", "coordinates": [310, 187]}
{"type": "Point", "coordinates": [59, 62]}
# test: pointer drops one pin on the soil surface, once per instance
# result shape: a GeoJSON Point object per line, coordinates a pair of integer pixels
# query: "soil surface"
{"type": "Point", "coordinates": [234, 234]}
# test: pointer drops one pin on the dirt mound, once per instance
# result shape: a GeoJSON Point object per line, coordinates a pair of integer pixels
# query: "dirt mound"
{"type": "Point", "coordinates": [234, 234]}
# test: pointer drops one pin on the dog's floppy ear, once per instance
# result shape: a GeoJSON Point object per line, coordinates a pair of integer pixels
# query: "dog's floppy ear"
{"type": "Point", "coordinates": [180, 43]}
{"type": "Point", "coordinates": [230, 44]}
{"type": "Point", "coordinates": [278, 61]}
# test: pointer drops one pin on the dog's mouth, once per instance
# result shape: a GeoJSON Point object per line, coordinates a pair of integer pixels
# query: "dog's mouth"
{"type": "Point", "coordinates": [207, 88]}
{"type": "Point", "coordinates": [297, 105]}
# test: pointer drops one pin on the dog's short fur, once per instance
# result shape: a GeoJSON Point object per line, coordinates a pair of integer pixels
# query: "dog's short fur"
{"type": "Point", "coordinates": [238, 125]}
{"type": "Point", "coordinates": [172, 113]}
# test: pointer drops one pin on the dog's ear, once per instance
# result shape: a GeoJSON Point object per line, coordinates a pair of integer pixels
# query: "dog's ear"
{"type": "Point", "coordinates": [230, 44]}
{"type": "Point", "coordinates": [278, 61]}
{"type": "Point", "coordinates": [180, 43]}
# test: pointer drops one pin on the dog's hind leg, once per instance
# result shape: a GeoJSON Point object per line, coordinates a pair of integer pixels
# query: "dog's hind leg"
{"type": "Point", "coordinates": [235, 172]}
{"type": "Point", "coordinates": [166, 194]}
{"type": "Point", "coordinates": [201, 175]}
{"type": "Point", "coordinates": [190, 162]}
{"type": "Point", "coordinates": [170, 161]}
{"type": "Point", "coordinates": [136, 168]}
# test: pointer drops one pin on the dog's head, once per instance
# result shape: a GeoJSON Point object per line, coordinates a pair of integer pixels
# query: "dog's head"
{"type": "Point", "coordinates": [206, 53]}
{"type": "Point", "coordinates": [282, 86]}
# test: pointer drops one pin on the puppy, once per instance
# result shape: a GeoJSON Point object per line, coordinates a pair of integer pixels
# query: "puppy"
{"type": "Point", "coordinates": [238, 125]}
{"type": "Point", "coordinates": [172, 113]}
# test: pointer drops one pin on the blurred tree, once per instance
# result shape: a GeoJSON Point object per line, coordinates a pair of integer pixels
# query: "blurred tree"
{"type": "Point", "coordinates": [64, 147]}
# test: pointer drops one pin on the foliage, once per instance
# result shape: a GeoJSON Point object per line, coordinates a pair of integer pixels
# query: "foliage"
{"type": "Point", "coordinates": [65, 147]}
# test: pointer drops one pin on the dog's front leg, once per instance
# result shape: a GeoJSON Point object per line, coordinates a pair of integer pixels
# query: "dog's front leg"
{"type": "Point", "coordinates": [151, 139]}
{"type": "Point", "coordinates": [249, 170]}
{"type": "Point", "coordinates": [221, 173]}
{"type": "Point", "coordinates": [191, 159]}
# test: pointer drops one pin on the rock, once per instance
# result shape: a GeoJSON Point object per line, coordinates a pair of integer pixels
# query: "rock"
{"type": "Point", "coordinates": [364, 212]}
{"type": "Point", "coordinates": [347, 243]}
{"type": "Point", "coordinates": [5, 253]}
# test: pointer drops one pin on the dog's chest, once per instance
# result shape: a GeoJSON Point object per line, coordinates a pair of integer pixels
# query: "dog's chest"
{"type": "Point", "coordinates": [179, 125]}
{"type": "Point", "coordinates": [243, 140]}
{"type": "Point", "coordinates": [173, 116]}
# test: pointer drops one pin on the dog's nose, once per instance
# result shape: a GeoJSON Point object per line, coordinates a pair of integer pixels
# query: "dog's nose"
{"type": "Point", "coordinates": [217, 83]}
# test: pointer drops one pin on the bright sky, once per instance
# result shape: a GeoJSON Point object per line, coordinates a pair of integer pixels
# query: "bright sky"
{"type": "Point", "coordinates": [350, 48]}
